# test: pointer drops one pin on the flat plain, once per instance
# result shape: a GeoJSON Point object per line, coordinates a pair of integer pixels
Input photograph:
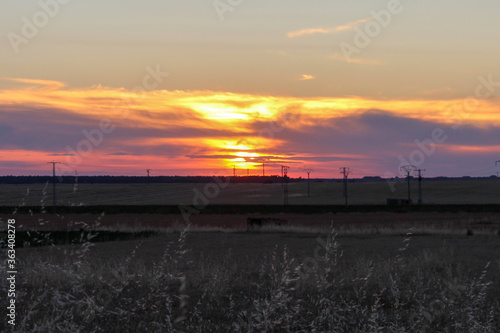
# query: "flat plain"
{"type": "Point", "coordinates": [333, 272]}
{"type": "Point", "coordinates": [457, 191]}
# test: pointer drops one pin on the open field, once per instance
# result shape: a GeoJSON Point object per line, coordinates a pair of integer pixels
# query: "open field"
{"type": "Point", "coordinates": [349, 223]}
{"type": "Point", "coordinates": [463, 191]}
{"type": "Point", "coordinates": [263, 282]}
{"type": "Point", "coordinates": [351, 271]}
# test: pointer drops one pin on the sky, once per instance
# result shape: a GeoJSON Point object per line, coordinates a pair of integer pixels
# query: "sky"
{"type": "Point", "coordinates": [204, 87]}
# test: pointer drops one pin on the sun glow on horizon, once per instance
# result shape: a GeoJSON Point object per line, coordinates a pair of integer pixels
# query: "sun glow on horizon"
{"type": "Point", "coordinates": [217, 129]}
{"type": "Point", "coordinates": [244, 154]}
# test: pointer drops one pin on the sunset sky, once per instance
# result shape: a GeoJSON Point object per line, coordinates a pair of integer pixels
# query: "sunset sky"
{"type": "Point", "coordinates": [197, 87]}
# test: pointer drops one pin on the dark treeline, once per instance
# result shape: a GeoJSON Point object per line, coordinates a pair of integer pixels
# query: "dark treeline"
{"type": "Point", "coordinates": [190, 179]}
{"type": "Point", "coordinates": [136, 179]}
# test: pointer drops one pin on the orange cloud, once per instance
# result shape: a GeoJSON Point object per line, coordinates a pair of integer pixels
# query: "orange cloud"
{"type": "Point", "coordinates": [331, 30]}
{"type": "Point", "coordinates": [472, 149]}
{"type": "Point", "coordinates": [219, 128]}
{"type": "Point", "coordinates": [211, 108]}
{"type": "Point", "coordinates": [50, 85]}
{"type": "Point", "coordinates": [307, 77]}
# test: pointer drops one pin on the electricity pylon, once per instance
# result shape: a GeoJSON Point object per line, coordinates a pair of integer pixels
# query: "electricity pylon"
{"type": "Point", "coordinates": [408, 169]}
{"type": "Point", "coordinates": [284, 170]}
{"type": "Point", "coordinates": [346, 172]}
{"type": "Point", "coordinates": [420, 185]}
{"type": "Point", "coordinates": [308, 172]}
{"type": "Point", "coordinates": [54, 184]}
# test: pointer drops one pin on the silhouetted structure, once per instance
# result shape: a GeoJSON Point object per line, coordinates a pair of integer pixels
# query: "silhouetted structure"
{"type": "Point", "coordinates": [284, 170]}
{"type": "Point", "coordinates": [308, 172]}
{"type": "Point", "coordinates": [258, 222]}
{"type": "Point", "coordinates": [408, 169]}
{"type": "Point", "coordinates": [420, 185]}
{"type": "Point", "coordinates": [345, 171]}
{"type": "Point", "coordinates": [54, 185]}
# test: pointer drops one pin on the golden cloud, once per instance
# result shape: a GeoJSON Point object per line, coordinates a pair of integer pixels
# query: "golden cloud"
{"type": "Point", "coordinates": [331, 30]}
{"type": "Point", "coordinates": [242, 127]}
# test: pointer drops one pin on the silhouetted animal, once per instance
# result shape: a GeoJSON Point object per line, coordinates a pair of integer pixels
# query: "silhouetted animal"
{"type": "Point", "coordinates": [257, 222]}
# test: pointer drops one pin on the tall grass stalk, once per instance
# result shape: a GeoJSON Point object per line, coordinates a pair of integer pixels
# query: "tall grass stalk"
{"type": "Point", "coordinates": [180, 292]}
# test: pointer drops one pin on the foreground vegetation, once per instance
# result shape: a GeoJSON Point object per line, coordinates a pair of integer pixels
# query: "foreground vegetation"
{"type": "Point", "coordinates": [45, 238]}
{"type": "Point", "coordinates": [193, 283]}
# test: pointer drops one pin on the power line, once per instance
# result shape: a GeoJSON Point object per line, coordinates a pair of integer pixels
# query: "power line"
{"type": "Point", "coordinates": [346, 172]}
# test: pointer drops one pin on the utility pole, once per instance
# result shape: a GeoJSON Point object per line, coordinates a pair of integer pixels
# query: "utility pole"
{"type": "Point", "coordinates": [248, 172]}
{"type": "Point", "coordinates": [234, 170]}
{"type": "Point", "coordinates": [420, 185]}
{"type": "Point", "coordinates": [308, 172]}
{"type": "Point", "coordinates": [345, 171]}
{"type": "Point", "coordinates": [282, 179]}
{"type": "Point", "coordinates": [408, 169]}
{"type": "Point", "coordinates": [284, 169]}
{"type": "Point", "coordinates": [54, 185]}
{"type": "Point", "coordinates": [262, 169]}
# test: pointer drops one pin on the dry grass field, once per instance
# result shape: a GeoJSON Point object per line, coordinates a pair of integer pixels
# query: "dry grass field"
{"type": "Point", "coordinates": [342, 272]}
{"type": "Point", "coordinates": [263, 282]}
{"type": "Point", "coordinates": [345, 223]}
{"type": "Point", "coordinates": [463, 191]}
